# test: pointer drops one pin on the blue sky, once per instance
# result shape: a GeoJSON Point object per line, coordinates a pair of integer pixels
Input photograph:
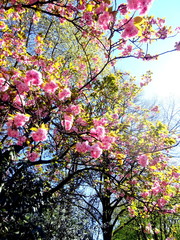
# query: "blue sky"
{"type": "Point", "coordinates": [166, 70]}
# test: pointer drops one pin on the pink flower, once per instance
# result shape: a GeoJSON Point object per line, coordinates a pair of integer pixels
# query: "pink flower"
{"type": "Point", "coordinates": [5, 97]}
{"type": "Point", "coordinates": [13, 133]}
{"type": "Point", "coordinates": [67, 125]}
{"type": "Point", "coordinates": [33, 156]}
{"type": "Point", "coordinates": [133, 4]}
{"type": "Point", "coordinates": [161, 202]}
{"type": "Point", "coordinates": [21, 140]}
{"type": "Point", "coordinates": [33, 77]}
{"type": "Point", "coordinates": [123, 9]}
{"type": "Point", "coordinates": [155, 109]}
{"type": "Point", "coordinates": [156, 188]}
{"type": "Point", "coordinates": [107, 141]}
{"type": "Point", "coordinates": [115, 116]}
{"type": "Point", "coordinates": [145, 194]}
{"type": "Point", "coordinates": [74, 109]}
{"type": "Point", "coordinates": [127, 50]}
{"type": "Point", "coordinates": [64, 94]}
{"type": "Point", "coordinates": [98, 132]}
{"type": "Point", "coordinates": [3, 85]}
{"type": "Point", "coordinates": [83, 147]}
{"type": "Point", "coordinates": [22, 87]}
{"type": "Point", "coordinates": [96, 151]}
{"type": "Point", "coordinates": [87, 17]}
{"type": "Point", "coordinates": [104, 19]}
{"type": "Point", "coordinates": [129, 30]}
{"type": "Point", "coordinates": [102, 7]}
{"type": "Point", "coordinates": [102, 122]}
{"type": "Point", "coordinates": [141, 5]}
{"type": "Point", "coordinates": [177, 46]}
{"type": "Point", "coordinates": [143, 160]}
{"type": "Point", "coordinates": [67, 122]}
{"type": "Point", "coordinates": [30, 102]}
{"type": "Point", "coordinates": [175, 174]}
{"type": "Point", "coordinates": [50, 87]}
{"type": "Point", "coordinates": [20, 119]}
{"type": "Point", "coordinates": [39, 135]}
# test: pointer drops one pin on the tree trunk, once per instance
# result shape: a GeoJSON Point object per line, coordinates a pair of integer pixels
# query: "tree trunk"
{"type": "Point", "coordinates": [107, 209]}
{"type": "Point", "coordinates": [107, 232]}
{"type": "Point", "coordinates": [106, 218]}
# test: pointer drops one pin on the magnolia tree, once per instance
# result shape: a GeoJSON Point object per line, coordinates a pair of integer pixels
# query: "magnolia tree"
{"type": "Point", "coordinates": [65, 115]}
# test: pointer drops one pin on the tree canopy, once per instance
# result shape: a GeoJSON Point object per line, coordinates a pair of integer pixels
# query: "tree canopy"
{"type": "Point", "coordinates": [75, 142]}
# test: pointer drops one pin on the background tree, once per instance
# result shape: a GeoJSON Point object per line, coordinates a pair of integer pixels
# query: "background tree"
{"type": "Point", "coordinates": [58, 121]}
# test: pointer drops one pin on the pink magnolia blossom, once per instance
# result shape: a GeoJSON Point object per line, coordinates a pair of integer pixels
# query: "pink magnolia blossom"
{"type": "Point", "coordinates": [133, 4]}
{"type": "Point", "coordinates": [115, 116]}
{"type": "Point", "coordinates": [3, 85]}
{"type": "Point", "coordinates": [104, 20]}
{"type": "Point", "coordinates": [102, 7]}
{"type": "Point", "coordinates": [13, 133]}
{"type": "Point", "coordinates": [87, 17]}
{"type": "Point", "coordinates": [20, 119]}
{"type": "Point", "coordinates": [33, 77]}
{"type": "Point", "coordinates": [50, 87]}
{"type": "Point", "coordinates": [21, 140]}
{"type": "Point", "coordinates": [156, 188]}
{"type": "Point", "coordinates": [162, 202]}
{"type": "Point", "coordinates": [145, 194]}
{"type": "Point", "coordinates": [39, 135]}
{"type": "Point", "coordinates": [162, 33]}
{"type": "Point", "coordinates": [107, 141]}
{"type": "Point", "coordinates": [177, 46]}
{"type": "Point", "coordinates": [155, 109]}
{"type": "Point", "coordinates": [21, 87]}
{"type": "Point", "coordinates": [74, 109]}
{"type": "Point", "coordinates": [127, 50]}
{"type": "Point", "coordinates": [102, 122]}
{"type": "Point", "coordinates": [129, 30]}
{"type": "Point", "coordinates": [98, 132]}
{"type": "Point", "coordinates": [30, 102]}
{"type": "Point", "coordinates": [33, 156]}
{"type": "Point", "coordinates": [123, 9]}
{"type": "Point", "coordinates": [67, 122]}
{"type": "Point", "coordinates": [96, 151]}
{"type": "Point", "coordinates": [83, 147]}
{"type": "Point", "coordinates": [143, 160]}
{"type": "Point", "coordinates": [82, 5]}
{"type": "Point", "coordinates": [64, 94]}
{"type": "Point", "coordinates": [5, 97]}
{"type": "Point", "coordinates": [142, 5]}
{"type": "Point", "coordinates": [67, 125]}
{"type": "Point", "coordinates": [176, 174]}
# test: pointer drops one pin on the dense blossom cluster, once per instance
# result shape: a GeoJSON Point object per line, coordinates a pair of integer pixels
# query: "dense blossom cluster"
{"type": "Point", "coordinates": [39, 135]}
{"type": "Point", "coordinates": [71, 111]}
{"type": "Point", "coordinates": [142, 5]}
